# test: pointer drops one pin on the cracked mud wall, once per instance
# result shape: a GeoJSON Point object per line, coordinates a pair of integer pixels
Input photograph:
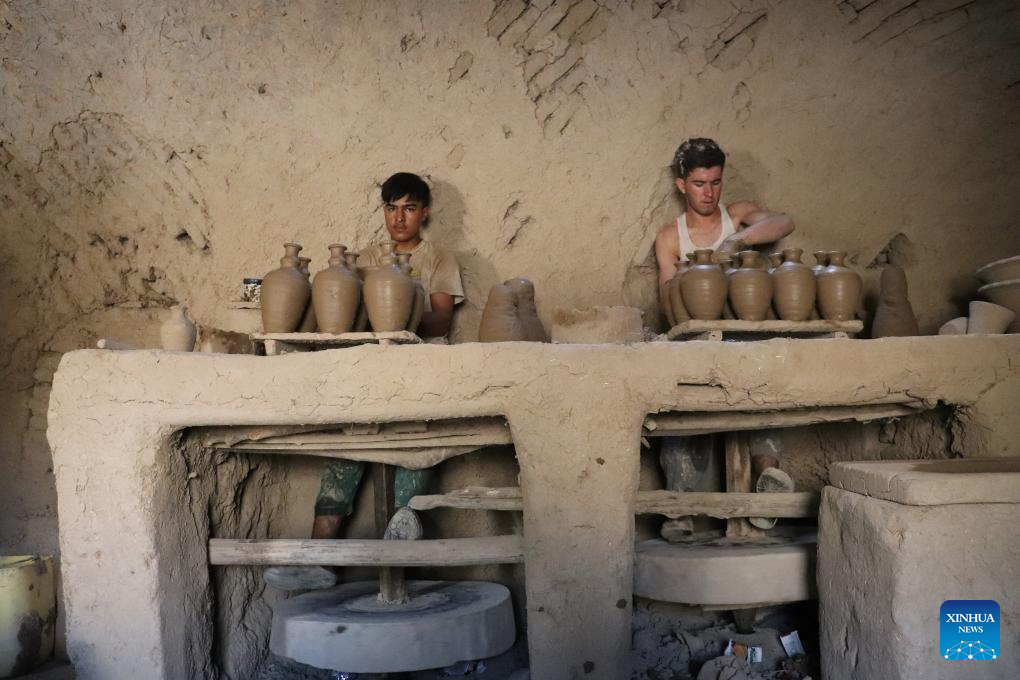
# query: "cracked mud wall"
{"type": "Point", "coordinates": [152, 153]}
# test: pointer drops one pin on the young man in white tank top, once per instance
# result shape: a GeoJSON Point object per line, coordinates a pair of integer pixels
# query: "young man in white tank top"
{"type": "Point", "coordinates": [706, 223]}
{"type": "Point", "coordinates": [690, 463]}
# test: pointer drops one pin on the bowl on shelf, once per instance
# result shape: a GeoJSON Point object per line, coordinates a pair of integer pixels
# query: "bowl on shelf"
{"type": "Point", "coordinates": [1007, 294]}
{"type": "Point", "coordinates": [1007, 269]}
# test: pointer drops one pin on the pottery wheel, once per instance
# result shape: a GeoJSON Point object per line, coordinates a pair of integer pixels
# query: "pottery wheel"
{"type": "Point", "coordinates": [348, 628]}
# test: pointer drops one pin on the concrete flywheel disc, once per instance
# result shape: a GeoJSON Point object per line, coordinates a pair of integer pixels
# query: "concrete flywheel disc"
{"type": "Point", "coordinates": [347, 628]}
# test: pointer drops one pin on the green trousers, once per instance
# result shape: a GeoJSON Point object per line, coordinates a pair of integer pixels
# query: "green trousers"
{"type": "Point", "coordinates": [341, 478]}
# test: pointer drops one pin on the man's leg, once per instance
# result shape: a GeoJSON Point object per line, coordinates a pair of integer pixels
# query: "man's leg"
{"type": "Point", "coordinates": [407, 484]}
{"type": "Point", "coordinates": [335, 500]}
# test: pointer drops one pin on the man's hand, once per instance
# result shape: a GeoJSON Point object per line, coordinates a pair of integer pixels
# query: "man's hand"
{"type": "Point", "coordinates": [436, 324]}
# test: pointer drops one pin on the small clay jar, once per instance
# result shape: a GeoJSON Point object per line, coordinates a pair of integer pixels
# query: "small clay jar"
{"type": "Point", "coordinates": [793, 287]}
{"type": "Point", "coordinates": [336, 293]}
{"type": "Point", "coordinates": [500, 321]}
{"type": "Point", "coordinates": [775, 259]}
{"type": "Point", "coordinates": [178, 333]}
{"type": "Point", "coordinates": [750, 288]}
{"type": "Point", "coordinates": [388, 293]}
{"type": "Point", "coordinates": [308, 322]}
{"type": "Point", "coordinates": [703, 287]}
{"type": "Point", "coordinates": [839, 289]}
{"type": "Point", "coordinates": [527, 312]}
{"type": "Point", "coordinates": [675, 296]}
{"type": "Point", "coordinates": [418, 309]}
{"type": "Point", "coordinates": [285, 293]}
{"type": "Point", "coordinates": [821, 261]}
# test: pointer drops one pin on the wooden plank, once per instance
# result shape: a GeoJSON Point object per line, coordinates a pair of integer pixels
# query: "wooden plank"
{"type": "Point", "coordinates": [446, 552]}
{"type": "Point", "coordinates": [688, 424]}
{"type": "Point", "coordinates": [720, 505]}
{"type": "Point", "coordinates": [228, 436]}
{"type": "Point", "coordinates": [776, 327]}
{"type": "Point", "coordinates": [738, 480]}
{"type": "Point", "coordinates": [339, 442]}
{"type": "Point", "coordinates": [338, 339]}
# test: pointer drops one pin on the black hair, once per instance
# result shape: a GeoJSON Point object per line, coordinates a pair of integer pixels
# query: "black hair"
{"type": "Point", "coordinates": [697, 152]}
{"type": "Point", "coordinates": [406, 184]}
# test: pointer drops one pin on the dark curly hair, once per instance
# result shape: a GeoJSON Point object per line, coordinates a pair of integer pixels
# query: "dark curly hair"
{"type": "Point", "coordinates": [406, 184]}
{"type": "Point", "coordinates": [697, 152]}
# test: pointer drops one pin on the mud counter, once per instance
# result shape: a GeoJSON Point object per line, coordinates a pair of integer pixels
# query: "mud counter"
{"type": "Point", "coordinates": [135, 567]}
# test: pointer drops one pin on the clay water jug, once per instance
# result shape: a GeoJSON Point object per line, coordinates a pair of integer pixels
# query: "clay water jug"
{"type": "Point", "coordinates": [821, 261]}
{"type": "Point", "coordinates": [675, 296]}
{"type": "Point", "coordinates": [793, 287]}
{"type": "Point", "coordinates": [750, 288]}
{"type": "Point", "coordinates": [388, 293]}
{"type": "Point", "coordinates": [893, 316]}
{"type": "Point", "coordinates": [526, 311]}
{"type": "Point", "coordinates": [285, 293]}
{"type": "Point", "coordinates": [500, 322]}
{"type": "Point", "coordinates": [839, 289]}
{"type": "Point", "coordinates": [336, 293]}
{"type": "Point", "coordinates": [178, 333]}
{"type": "Point", "coordinates": [703, 287]}
{"type": "Point", "coordinates": [404, 260]}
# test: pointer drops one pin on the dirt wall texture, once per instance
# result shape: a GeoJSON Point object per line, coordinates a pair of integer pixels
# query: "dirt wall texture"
{"type": "Point", "coordinates": [154, 152]}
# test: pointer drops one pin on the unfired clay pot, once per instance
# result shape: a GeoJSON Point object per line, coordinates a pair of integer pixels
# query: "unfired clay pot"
{"type": "Point", "coordinates": [988, 318]}
{"type": "Point", "coordinates": [704, 287]}
{"type": "Point", "coordinates": [675, 295]}
{"type": "Point", "coordinates": [775, 259]}
{"type": "Point", "coordinates": [404, 260]}
{"type": "Point", "coordinates": [750, 288]}
{"type": "Point", "coordinates": [336, 293]}
{"type": "Point", "coordinates": [821, 261]}
{"type": "Point", "coordinates": [793, 287]}
{"type": "Point", "coordinates": [839, 289]}
{"type": "Point", "coordinates": [526, 310]}
{"type": "Point", "coordinates": [894, 317]}
{"type": "Point", "coordinates": [361, 321]}
{"type": "Point", "coordinates": [178, 333]}
{"type": "Point", "coordinates": [388, 294]}
{"type": "Point", "coordinates": [500, 322]}
{"type": "Point", "coordinates": [285, 293]}
{"type": "Point", "coordinates": [308, 322]}
{"type": "Point", "coordinates": [957, 326]}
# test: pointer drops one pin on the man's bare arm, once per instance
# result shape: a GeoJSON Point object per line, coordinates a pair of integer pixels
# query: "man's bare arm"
{"type": "Point", "coordinates": [759, 226]}
{"type": "Point", "coordinates": [436, 323]}
{"type": "Point", "coordinates": [667, 250]}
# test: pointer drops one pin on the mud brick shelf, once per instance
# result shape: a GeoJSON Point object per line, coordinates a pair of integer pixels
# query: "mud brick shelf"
{"type": "Point", "coordinates": [735, 329]}
{"type": "Point", "coordinates": [283, 343]}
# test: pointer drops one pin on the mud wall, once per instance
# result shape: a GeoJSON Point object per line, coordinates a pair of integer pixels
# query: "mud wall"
{"type": "Point", "coordinates": [154, 152]}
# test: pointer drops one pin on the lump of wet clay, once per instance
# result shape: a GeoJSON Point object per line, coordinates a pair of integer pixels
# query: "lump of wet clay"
{"type": "Point", "coordinates": [500, 319]}
{"type": "Point", "coordinates": [894, 316]}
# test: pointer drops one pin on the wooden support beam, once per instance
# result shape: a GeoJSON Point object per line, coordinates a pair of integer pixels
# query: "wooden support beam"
{"type": "Point", "coordinates": [688, 424]}
{"type": "Point", "coordinates": [720, 505]}
{"type": "Point", "coordinates": [446, 552]}
{"type": "Point", "coordinates": [738, 480]}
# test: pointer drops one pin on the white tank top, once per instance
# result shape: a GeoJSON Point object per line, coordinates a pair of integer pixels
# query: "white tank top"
{"type": "Point", "coordinates": [687, 246]}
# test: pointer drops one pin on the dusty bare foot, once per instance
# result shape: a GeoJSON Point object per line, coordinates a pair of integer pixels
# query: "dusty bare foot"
{"type": "Point", "coordinates": [403, 526]}
{"type": "Point", "coordinates": [771, 480]}
{"type": "Point", "coordinates": [299, 578]}
{"type": "Point", "coordinates": [675, 530]}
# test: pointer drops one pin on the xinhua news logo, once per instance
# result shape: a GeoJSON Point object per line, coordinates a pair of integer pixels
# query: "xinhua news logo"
{"type": "Point", "coordinates": [969, 630]}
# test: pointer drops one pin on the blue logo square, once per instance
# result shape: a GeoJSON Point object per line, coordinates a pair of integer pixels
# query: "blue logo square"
{"type": "Point", "coordinates": [969, 630]}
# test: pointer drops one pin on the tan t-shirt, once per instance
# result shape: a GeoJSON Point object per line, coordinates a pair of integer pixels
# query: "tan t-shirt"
{"type": "Point", "coordinates": [435, 267]}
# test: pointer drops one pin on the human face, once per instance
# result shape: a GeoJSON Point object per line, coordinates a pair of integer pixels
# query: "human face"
{"type": "Point", "coordinates": [404, 218]}
{"type": "Point", "coordinates": [702, 190]}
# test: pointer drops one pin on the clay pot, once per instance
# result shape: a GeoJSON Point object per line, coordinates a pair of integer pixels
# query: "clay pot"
{"type": "Point", "coordinates": [418, 309]}
{"type": "Point", "coordinates": [1007, 294]}
{"type": "Point", "coordinates": [308, 322]}
{"type": "Point", "coordinates": [526, 311]}
{"type": "Point", "coordinates": [388, 294]}
{"type": "Point", "coordinates": [793, 287]}
{"type": "Point", "coordinates": [839, 289]}
{"type": "Point", "coordinates": [894, 317]}
{"type": "Point", "coordinates": [676, 298]}
{"type": "Point", "coordinates": [988, 318]}
{"type": "Point", "coordinates": [957, 326]}
{"type": "Point", "coordinates": [500, 322]}
{"type": "Point", "coordinates": [1000, 270]}
{"type": "Point", "coordinates": [361, 321]}
{"type": "Point", "coordinates": [750, 288]}
{"type": "Point", "coordinates": [285, 293]}
{"type": "Point", "coordinates": [703, 287]}
{"type": "Point", "coordinates": [666, 304]}
{"type": "Point", "coordinates": [775, 259]}
{"type": "Point", "coordinates": [178, 333]}
{"type": "Point", "coordinates": [821, 261]}
{"type": "Point", "coordinates": [336, 293]}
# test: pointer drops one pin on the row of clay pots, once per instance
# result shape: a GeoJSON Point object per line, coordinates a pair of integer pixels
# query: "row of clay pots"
{"type": "Point", "coordinates": [702, 288]}
{"type": "Point", "coordinates": [344, 297]}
